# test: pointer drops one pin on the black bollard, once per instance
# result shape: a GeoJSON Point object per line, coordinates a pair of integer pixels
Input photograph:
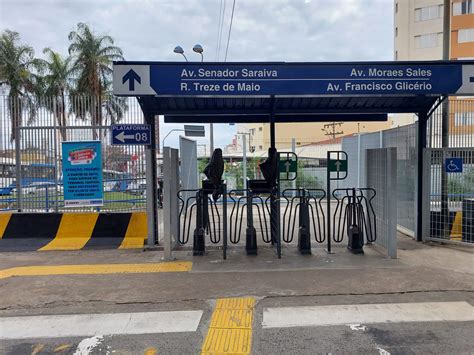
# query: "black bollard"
{"type": "Point", "coordinates": [304, 233]}
{"type": "Point", "coordinates": [250, 232]}
{"type": "Point", "coordinates": [355, 242]}
{"type": "Point", "coordinates": [198, 240]}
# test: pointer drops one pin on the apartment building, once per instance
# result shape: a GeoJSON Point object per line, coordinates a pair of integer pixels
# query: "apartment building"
{"type": "Point", "coordinates": [418, 35]}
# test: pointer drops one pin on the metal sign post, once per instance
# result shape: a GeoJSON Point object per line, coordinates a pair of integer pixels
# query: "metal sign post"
{"type": "Point", "coordinates": [336, 163]}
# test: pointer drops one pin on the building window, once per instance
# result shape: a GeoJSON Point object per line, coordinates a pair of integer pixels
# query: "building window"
{"type": "Point", "coordinates": [260, 129]}
{"type": "Point", "coordinates": [466, 35]}
{"type": "Point", "coordinates": [463, 118]}
{"type": "Point", "coordinates": [429, 40]}
{"type": "Point", "coordinates": [396, 7]}
{"type": "Point", "coordinates": [463, 7]}
{"type": "Point", "coordinates": [428, 13]}
{"type": "Point", "coordinates": [396, 31]}
{"type": "Point", "coordinates": [252, 131]}
{"type": "Point", "coordinates": [396, 55]}
{"type": "Point", "coordinates": [260, 147]}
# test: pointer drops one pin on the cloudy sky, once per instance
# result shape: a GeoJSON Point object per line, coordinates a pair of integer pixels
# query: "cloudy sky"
{"type": "Point", "coordinates": [263, 30]}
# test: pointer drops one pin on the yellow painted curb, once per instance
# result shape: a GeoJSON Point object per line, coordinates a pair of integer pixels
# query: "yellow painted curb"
{"type": "Point", "coordinates": [95, 269]}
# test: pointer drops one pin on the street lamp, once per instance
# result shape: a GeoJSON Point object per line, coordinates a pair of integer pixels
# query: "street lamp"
{"type": "Point", "coordinates": [198, 49]}
{"type": "Point", "coordinates": [180, 50]}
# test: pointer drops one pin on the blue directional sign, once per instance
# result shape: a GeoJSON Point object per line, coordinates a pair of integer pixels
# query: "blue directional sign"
{"type": "Point", "coordinates": [131, 134]}
{"type": "Point", "coordinates": [242, 79]}
{"type": "Point", "coordinates": [453, 165]}
{"type": "Point", "coordinates": [131, 77]}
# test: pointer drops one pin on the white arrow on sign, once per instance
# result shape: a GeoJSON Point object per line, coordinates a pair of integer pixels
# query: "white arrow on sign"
{"type": "Point", "coordinates": [338, 165]}
{"type": "Point", "coordinates": [122, 136]}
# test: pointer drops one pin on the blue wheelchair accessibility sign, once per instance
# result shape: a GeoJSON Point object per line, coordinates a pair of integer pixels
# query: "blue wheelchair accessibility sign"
{"type": "Point", "coordinates": [453, 165]}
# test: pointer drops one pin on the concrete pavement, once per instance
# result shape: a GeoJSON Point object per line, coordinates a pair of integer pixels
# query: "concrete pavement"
{"type": "Point", "coordinates": [423, 273]}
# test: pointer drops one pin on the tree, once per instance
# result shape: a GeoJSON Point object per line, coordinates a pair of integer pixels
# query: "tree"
{"type": "Point", "coordinates": [92, 67]}
{"type": "Point", "coordinates": [17, 71]}
{"type": "Point", "coordinates": [56, 83]}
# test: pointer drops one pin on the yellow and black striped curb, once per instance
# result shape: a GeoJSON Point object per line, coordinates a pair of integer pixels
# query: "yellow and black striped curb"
{"type": "Point", "coordinates": [71, 231]}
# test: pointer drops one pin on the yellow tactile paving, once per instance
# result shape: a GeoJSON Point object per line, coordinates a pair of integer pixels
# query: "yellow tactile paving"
{"type": "Point", "coordinates": [232, 318]}
{"type": "Point", "coordinates": [136, 232]}
{"type": "Point", "coordinates": [94, 269]}
{"type": "Point", "coordinates": [4, 219]}
{"type": "Point", "coordinates": [230, 331]}
{"type": "Point", "coordinates": [236, 303]}
{"type": "Point", "coordinates": [74, 231]}
{"type": "Point", "coordinates": [227, 341]}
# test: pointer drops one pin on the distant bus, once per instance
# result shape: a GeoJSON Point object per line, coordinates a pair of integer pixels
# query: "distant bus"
{"type": "Point", "coordinates": [36, 173]}
{"type": "Point", "coordinates": [31, 173]}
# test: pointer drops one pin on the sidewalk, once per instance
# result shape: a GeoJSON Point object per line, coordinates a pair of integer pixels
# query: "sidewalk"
{"type": "Point", "coordinates": [420, 268]}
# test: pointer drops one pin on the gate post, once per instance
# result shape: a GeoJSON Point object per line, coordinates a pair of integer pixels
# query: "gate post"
{"type": "Point", "coordinates": [170, 204]}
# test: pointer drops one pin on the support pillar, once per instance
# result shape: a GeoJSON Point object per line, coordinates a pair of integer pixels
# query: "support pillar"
{"type": "Point", "coordinates": [151, 186]}
{"type": "Point", "coordinates": [421, 145]}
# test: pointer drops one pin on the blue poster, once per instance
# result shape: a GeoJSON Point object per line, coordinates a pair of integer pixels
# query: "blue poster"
{"type": "Point", "coordinates": [82, 174]}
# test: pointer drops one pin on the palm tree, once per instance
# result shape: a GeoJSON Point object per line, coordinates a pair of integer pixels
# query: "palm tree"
{"type": "Point", "coordinates": [56, 81]}
{"type": "Point", "coordinates": [92, 67]}
{"type": "Point", "coordinates": [17, 64]}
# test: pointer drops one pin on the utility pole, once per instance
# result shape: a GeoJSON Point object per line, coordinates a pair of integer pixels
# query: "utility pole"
{"type": "Point", "coordinates": [330, 130]}
{"type": "Point", "coordinates": [445, 118]}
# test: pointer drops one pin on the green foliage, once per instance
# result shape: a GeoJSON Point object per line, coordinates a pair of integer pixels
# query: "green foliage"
{"type": "Point", "coordinates": [17, 71]}
{"type": "Point", "coordinates": [460, 184]}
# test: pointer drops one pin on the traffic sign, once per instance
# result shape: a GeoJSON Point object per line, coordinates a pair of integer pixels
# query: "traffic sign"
{"type": "Point", "coordinates": [288, 165]}
{"type": "Point", "coordinates": [337, 165]}
{"type": "Point", "coordinates": [453, 165]}
{"type": "Point", "coordinates": [131, 134]}
{"type": "Point", "coordinates": [194, 131]}
{"type": "Point", "coordinates": [250, 79]}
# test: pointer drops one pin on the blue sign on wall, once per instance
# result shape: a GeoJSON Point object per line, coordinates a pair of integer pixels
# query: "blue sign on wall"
{"type": "Point", "coordinates": [332, 79]}
{"type": "Point", "coordinates": [82, 174]}
{"type": "Point", "coordinates": [453, 165]}
{"type": "Point", "coordinates": [131, 134]}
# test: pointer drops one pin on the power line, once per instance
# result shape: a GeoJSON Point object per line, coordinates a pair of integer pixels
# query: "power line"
{"type": "Point", "coordinates": [220, 30]}
{"type": "Point", "coordinates": [218, 27]}
{"type": "Point", "coordinates": [230, 30]}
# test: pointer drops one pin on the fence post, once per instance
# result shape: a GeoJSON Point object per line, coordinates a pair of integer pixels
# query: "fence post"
{"type": "Point", "coordinates": [426, 191]}
{"type": "Point", "coordinates": [18, 168]}
{"type": "Point", "coordinates": [390, 190]}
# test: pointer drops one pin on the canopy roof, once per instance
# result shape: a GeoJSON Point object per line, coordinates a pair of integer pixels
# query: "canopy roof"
{"type": "Point", "coordinates": [290, 92]}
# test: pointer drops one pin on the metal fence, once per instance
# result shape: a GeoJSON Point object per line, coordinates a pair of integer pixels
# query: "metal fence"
{"type": "Point", "coordinates": [404, 140]}
{"type": "Point", "coordinates": [36, 145]}
{"type": "Point", "coordinates": [381, 170]}
{"type": "Point", "coordinates": [461, 124]}
{"type": "Point", "coordinates": [452, 221]}
{"type": "Point", "coordinates": [40, 182]}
